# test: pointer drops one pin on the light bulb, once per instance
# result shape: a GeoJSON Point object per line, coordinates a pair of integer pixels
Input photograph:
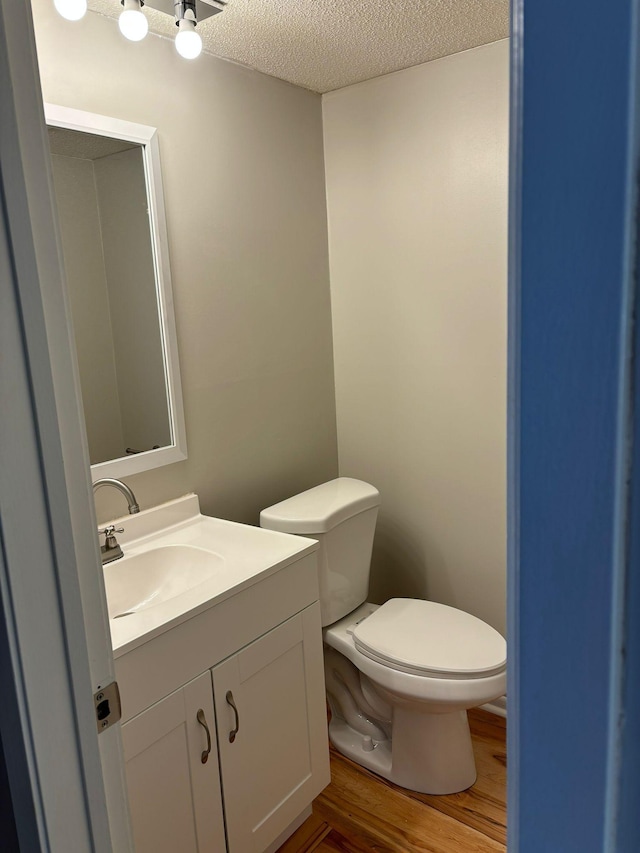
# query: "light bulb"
{"type": "Point", "coordinates": [188, 41]}
{"type": "Point", "coordinates": [72, 10]}
{"type": "Point", "coordinates": [132, 22]}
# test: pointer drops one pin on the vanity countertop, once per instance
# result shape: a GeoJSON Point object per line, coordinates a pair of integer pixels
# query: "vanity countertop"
{"type": "Point", "coordinates": [241, 556]}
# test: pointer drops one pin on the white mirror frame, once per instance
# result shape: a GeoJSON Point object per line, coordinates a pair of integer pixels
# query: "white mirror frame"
{"type": "Point", "coordinates": [147, 137]}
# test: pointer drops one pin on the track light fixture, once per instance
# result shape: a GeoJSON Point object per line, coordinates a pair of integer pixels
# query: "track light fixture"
{"type": "Point", "coordinates": [134, 25]}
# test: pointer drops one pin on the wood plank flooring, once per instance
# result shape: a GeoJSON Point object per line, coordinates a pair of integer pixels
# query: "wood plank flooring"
{"type": "Point", "coordinates": [361, 813]}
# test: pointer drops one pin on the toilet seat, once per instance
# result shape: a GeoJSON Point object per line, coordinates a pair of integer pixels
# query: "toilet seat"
{"type": "Point", "coordinates": [441, 692]}
{"type": "Point", "coordinates": [429, 639]}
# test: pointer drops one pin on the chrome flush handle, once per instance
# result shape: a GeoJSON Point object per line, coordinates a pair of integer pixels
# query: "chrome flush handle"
{"type": "Point", "coordinates": [234, 731]}
{"type": "Point", "coordinates": [200, 717]}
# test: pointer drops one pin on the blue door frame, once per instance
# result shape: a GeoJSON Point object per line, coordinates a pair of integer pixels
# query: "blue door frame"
{"type": "Point", "coordinates": [574, 552]}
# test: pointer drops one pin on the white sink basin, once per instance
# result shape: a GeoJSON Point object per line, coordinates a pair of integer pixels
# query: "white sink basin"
{"type": "Point", "coordinates": [178, 562]}
{"type": "Point", "coordinates": [155, 576]}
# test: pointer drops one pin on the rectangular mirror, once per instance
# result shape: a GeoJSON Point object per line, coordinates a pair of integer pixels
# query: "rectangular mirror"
{"type": "Point", "coordinates": [108, 190]}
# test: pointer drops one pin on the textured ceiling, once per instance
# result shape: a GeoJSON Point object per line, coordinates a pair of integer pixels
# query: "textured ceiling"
{"type": "Point", "coordinates": [327, 44]}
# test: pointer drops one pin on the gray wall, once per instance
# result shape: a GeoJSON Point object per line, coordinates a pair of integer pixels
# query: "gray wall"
{"type": "Point", "coordinates": [416, 167]}
{"type": "Point", "coordinates": [243, 173]}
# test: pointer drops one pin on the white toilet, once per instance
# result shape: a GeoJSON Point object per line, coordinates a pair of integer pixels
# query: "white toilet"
{"type": "Point", "coordinates": [401, 676]}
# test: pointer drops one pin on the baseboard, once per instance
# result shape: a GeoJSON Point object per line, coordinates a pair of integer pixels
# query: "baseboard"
{"type": "Point", "coordinates": [498, 706]}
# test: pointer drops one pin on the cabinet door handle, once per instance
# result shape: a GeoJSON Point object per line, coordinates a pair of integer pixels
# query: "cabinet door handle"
{"type": "Point", "coordinates": [233, 732]}
{"type": "Point", "coordinates": [200, 717]}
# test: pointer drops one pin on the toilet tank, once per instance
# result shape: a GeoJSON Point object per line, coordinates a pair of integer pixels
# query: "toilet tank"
{"type": "Point", "coordinates": [341, 515]}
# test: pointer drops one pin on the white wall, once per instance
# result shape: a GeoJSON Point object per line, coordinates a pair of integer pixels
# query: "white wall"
{"type": "Point", "coordinates": [243, 174]}
{"type": "Point", "coordinates": [416, 169]}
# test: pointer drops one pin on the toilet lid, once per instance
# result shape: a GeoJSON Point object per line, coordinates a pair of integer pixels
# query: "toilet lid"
{"type": "Point", "coordinates": [426, 638]}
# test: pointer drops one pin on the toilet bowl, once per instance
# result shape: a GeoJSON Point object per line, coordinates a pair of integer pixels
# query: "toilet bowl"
{"type": "Point", "coordinates": [400, 676]}
{"type": "Point", "coordinates": [422, 741]}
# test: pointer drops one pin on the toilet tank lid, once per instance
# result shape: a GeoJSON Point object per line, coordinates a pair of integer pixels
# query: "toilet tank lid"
{"type": "Point", "coordinates": [320, 509]}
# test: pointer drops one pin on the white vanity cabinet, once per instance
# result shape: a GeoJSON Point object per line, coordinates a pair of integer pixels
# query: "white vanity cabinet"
{"type": "Point", "coordinates": [271, 719]}
{"type": "Point", "coordinates": [259, 650]}
{"type": "Point", "coordinates": [174, 797]}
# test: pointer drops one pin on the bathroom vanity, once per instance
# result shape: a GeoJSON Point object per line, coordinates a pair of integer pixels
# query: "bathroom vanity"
{"type": "Point", "coordinates": [218, 653]}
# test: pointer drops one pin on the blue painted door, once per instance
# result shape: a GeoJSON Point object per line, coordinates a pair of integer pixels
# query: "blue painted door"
{"type": "Point", "coordinates": [575, 515]}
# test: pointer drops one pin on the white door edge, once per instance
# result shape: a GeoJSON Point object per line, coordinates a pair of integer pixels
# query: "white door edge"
{"type": "Point", "coordinates": [56, 646]}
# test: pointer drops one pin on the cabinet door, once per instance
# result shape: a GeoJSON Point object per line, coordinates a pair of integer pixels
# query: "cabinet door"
{"type": "Point", "coordinates": [279, 759]}
{"type": "Point", "coordinates": [174, 798]}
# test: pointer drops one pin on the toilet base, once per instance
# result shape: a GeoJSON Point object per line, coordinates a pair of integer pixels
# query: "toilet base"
{"type": "Point", "coordinates": [428, 753]}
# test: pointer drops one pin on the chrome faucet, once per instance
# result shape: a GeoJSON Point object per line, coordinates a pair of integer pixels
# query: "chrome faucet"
{"type": "Point", "coordinates": [121, 487]}
{"type": "Point", "coordinates": [111, 550]}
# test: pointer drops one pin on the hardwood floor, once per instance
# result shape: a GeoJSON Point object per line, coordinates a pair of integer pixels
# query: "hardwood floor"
{"type": "Point", "coordinates": [361, 813]}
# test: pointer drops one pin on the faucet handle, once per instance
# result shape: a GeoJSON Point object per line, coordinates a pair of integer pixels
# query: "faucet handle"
{"type": "Point", "coordinates": [110, 542]}
{"type": "Point", "coordinates": [110, 550]}
{"type": "Point", "coordinates": [110, 529]}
